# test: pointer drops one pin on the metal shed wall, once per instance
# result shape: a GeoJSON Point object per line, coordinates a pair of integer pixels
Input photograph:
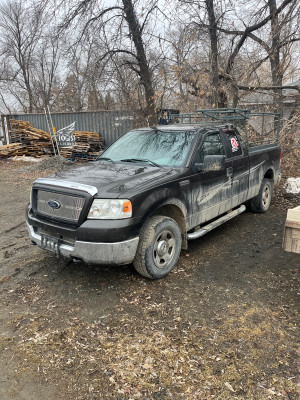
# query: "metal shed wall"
{"type": "Point", "coordinates": [110, 124]}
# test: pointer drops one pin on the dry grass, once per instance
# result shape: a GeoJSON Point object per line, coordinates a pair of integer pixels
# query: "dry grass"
{"type": "Point", "coordinates": [243, 354]}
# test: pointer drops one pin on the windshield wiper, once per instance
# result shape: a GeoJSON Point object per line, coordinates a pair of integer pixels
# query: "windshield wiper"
{"type": "Point", "coordinates": [106, 159]}
{"type": "Point", "coordinates": [154, 164]}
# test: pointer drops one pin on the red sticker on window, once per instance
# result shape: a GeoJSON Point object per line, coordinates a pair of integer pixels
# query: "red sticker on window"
{"type": "Point", "coordinates": [234, 144]}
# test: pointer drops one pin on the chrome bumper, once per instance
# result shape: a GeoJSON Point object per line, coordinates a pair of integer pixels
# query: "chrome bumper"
{"type": "Point", "coordinates": [118, 253]}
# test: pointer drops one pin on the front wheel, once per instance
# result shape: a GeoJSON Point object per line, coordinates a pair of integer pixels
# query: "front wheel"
{"type": "Point", "coordinates": [159, 247]}
{"type": "Point", "coordinates": [261, 203]}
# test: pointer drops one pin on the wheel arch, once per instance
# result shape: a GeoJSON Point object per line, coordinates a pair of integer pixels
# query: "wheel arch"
{"type": "Point", "coordinates": [175, 209]}
{"type": "Point", "coordinates": [269, 174]}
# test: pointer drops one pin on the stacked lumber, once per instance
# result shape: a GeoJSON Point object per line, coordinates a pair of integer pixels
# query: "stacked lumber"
{"type": "Point", "coordinates": [23, 131]}
{"type": "Point", "coordinates": [29, 141]}
{"type": "Point", "coordinates": [11, 150]}
{"type": "Point", "coordinates": [88, 137]}
{"type": "Point", "coordinates": [86, 148]}
{"type": "Point", "coordinates": [36, 142]}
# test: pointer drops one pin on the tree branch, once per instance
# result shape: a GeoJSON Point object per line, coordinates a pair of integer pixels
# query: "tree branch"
{"type": "Point", "coordinates": [253, 88]}
{"type": "Point", "coordinates": [81, 9]}
{"type": "Point", "coordinates": [113, 52]}
{"type": "Point", "coordinates": [251, 29]}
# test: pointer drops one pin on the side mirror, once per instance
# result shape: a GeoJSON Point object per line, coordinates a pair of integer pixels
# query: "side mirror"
{"type": "Point", "coordinates": [212, 163]}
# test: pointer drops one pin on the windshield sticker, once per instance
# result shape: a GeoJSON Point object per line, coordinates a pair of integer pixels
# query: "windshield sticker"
{"type": "Point", "coordinates": [234, 144]}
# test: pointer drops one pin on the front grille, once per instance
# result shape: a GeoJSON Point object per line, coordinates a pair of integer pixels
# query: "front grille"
{"type": "Point", "coordinates": [69, 207]}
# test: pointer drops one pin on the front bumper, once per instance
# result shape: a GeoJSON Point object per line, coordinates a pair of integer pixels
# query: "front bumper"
{"type": "Point", "coordinates": [116, 253]}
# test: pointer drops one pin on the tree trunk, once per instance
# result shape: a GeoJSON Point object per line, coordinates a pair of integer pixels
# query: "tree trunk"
{"type": "Point", "coordinates": [214, 52]}
{"type": "Point", "coordinates": [276, 70]}
{"type": "Point", "coordinates": [144, 70]}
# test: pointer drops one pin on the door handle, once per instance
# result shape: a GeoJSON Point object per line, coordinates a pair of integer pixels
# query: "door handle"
{"type": "Point", "coordinates": [229, 172]}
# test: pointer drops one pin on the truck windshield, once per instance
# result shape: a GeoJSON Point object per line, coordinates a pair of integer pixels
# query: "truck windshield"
{"type": "Point", "coordinates": [155, 147]}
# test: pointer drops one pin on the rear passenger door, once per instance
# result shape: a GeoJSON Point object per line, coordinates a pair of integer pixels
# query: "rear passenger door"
{"type": "Point", "coordinates": [238, 155]}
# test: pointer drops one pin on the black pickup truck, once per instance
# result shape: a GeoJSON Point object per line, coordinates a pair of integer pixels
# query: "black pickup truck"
{"type": "Point", "coordinates": [149, 193]}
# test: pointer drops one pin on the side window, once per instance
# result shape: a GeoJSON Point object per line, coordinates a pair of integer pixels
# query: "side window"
{"type": "Point", "coordinates": [212, 145]}
{"type": "Point", "coordinates": [234, 144]}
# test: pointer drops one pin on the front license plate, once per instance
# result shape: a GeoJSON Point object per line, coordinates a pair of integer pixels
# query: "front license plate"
{"type": "Point", "coordinates": [50, 243]}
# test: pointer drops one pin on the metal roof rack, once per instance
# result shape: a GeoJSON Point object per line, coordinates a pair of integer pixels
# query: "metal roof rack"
{"type": "Point", "coordinates": [258, 128]}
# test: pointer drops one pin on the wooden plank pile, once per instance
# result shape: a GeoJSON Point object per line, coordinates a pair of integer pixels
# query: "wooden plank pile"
{"type": "Point", "coordinates": [11, 150]}
{"type": "Point", "coordinates": [29, 141]}
{"type": "Point", "coordinates": [35, 142]}
{"type": "Point", "coordinates": [86, 148]}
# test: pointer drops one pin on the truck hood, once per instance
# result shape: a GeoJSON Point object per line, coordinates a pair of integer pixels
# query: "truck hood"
{"type": "Point", "coordinates": [115, 180]}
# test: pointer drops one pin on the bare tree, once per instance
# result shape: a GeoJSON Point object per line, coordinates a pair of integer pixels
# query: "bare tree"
{"type": "Point", "coordinates": [282, 32]}
{"type": "Point", "coordinates": [30, 54]}
{"type": "Point", "coordinates": [125, 34]}
{"type": "Point", "coordinates": [236, 39]}
{"type": "Point", "coordinates": [21, 28]}
{"type": "Point", "coordinates": [118, 55]}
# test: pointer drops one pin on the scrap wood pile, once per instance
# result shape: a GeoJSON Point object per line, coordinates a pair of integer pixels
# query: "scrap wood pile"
{"type": "Point", "coordinates": [26, 141]}
{"type": "Point", "coordinates": [10, 150]}
{"type": "Point", "coordinates": [86, 148]}
{"type": "Point", "coordinates": [29, 141]}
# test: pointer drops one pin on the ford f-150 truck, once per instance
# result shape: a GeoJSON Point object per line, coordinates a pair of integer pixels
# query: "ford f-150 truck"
{"type": "Point", "coordinates": [150, 192]}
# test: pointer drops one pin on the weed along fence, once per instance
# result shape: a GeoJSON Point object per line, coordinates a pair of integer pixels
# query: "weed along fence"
{"type": "Point", "coordinates": [28, 134]}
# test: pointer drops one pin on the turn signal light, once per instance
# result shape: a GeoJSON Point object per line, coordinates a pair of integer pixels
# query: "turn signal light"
{"type": "Point", "coordinates": [126, 206]}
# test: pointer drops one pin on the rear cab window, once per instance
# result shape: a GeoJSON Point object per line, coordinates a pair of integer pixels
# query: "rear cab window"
{"type": "Point", "coordinates": [233, 144]}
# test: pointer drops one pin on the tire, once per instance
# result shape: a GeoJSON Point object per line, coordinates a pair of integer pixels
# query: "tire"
{"type": "Point", "coordinates": [159, 247]}
{"type": "Point", "coordinates": [261, 203]}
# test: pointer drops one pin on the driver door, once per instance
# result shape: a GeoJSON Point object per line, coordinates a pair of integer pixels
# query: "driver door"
{"type": "Point", "coordinates": [211, 189]}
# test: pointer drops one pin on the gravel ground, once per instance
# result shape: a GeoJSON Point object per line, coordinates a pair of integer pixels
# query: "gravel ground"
{"type": "Point", "coordinates": [224, 324]}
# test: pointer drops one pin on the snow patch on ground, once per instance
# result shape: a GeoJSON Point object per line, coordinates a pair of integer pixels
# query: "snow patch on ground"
{"type": "Point", "coordinates": [293, 185]}
{"type": "Point", "coordinates": [25, 158]}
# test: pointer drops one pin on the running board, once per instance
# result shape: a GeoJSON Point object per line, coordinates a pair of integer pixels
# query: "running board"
{"type": "Point", "coordinates": [218, 222]}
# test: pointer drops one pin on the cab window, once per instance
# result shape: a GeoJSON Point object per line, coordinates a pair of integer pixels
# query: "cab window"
{"type": "Point", "coordinates": [212, 145]}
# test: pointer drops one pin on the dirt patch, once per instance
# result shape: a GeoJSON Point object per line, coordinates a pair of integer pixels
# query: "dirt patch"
{"type": "Point", "coordinates": [55, 163]}
{"type": "Point", "coordinates": [224, 324]}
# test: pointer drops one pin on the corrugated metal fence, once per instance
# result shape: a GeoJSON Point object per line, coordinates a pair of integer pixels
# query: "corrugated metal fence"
{"type": "Point", "coordinates": [110, 124]}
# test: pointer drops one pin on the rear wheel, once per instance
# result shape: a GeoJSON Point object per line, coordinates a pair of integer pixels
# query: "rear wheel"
{"type": "Point", "coordinates": [261, 203]}
{"type": "Point", "coordinates": [159, 247]}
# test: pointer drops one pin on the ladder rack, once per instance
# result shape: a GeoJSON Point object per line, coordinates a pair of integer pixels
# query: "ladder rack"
{"type": "Point", "coordinates": [257, 128]}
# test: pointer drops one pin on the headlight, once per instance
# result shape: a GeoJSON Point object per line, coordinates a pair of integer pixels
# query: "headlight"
{"type": "Point", "coordinates": [110, 209]}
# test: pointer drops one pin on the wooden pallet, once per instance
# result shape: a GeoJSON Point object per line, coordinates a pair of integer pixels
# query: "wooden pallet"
{"type": "Point", "coordinates": [10, 150]}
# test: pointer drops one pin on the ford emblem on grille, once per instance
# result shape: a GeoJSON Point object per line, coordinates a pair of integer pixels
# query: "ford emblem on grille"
{"type": "Point", "coordinates": [54, 204]}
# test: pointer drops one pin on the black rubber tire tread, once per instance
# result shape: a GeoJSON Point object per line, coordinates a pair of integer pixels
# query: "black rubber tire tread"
{"type": "Point", "coordinates": [256, 204]}
{"type": "Point", "coordinates": [142, 261]}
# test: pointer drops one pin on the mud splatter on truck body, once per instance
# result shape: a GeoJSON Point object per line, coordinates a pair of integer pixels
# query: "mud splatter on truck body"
{"type": "Point", "coordinates": [153, 188]}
